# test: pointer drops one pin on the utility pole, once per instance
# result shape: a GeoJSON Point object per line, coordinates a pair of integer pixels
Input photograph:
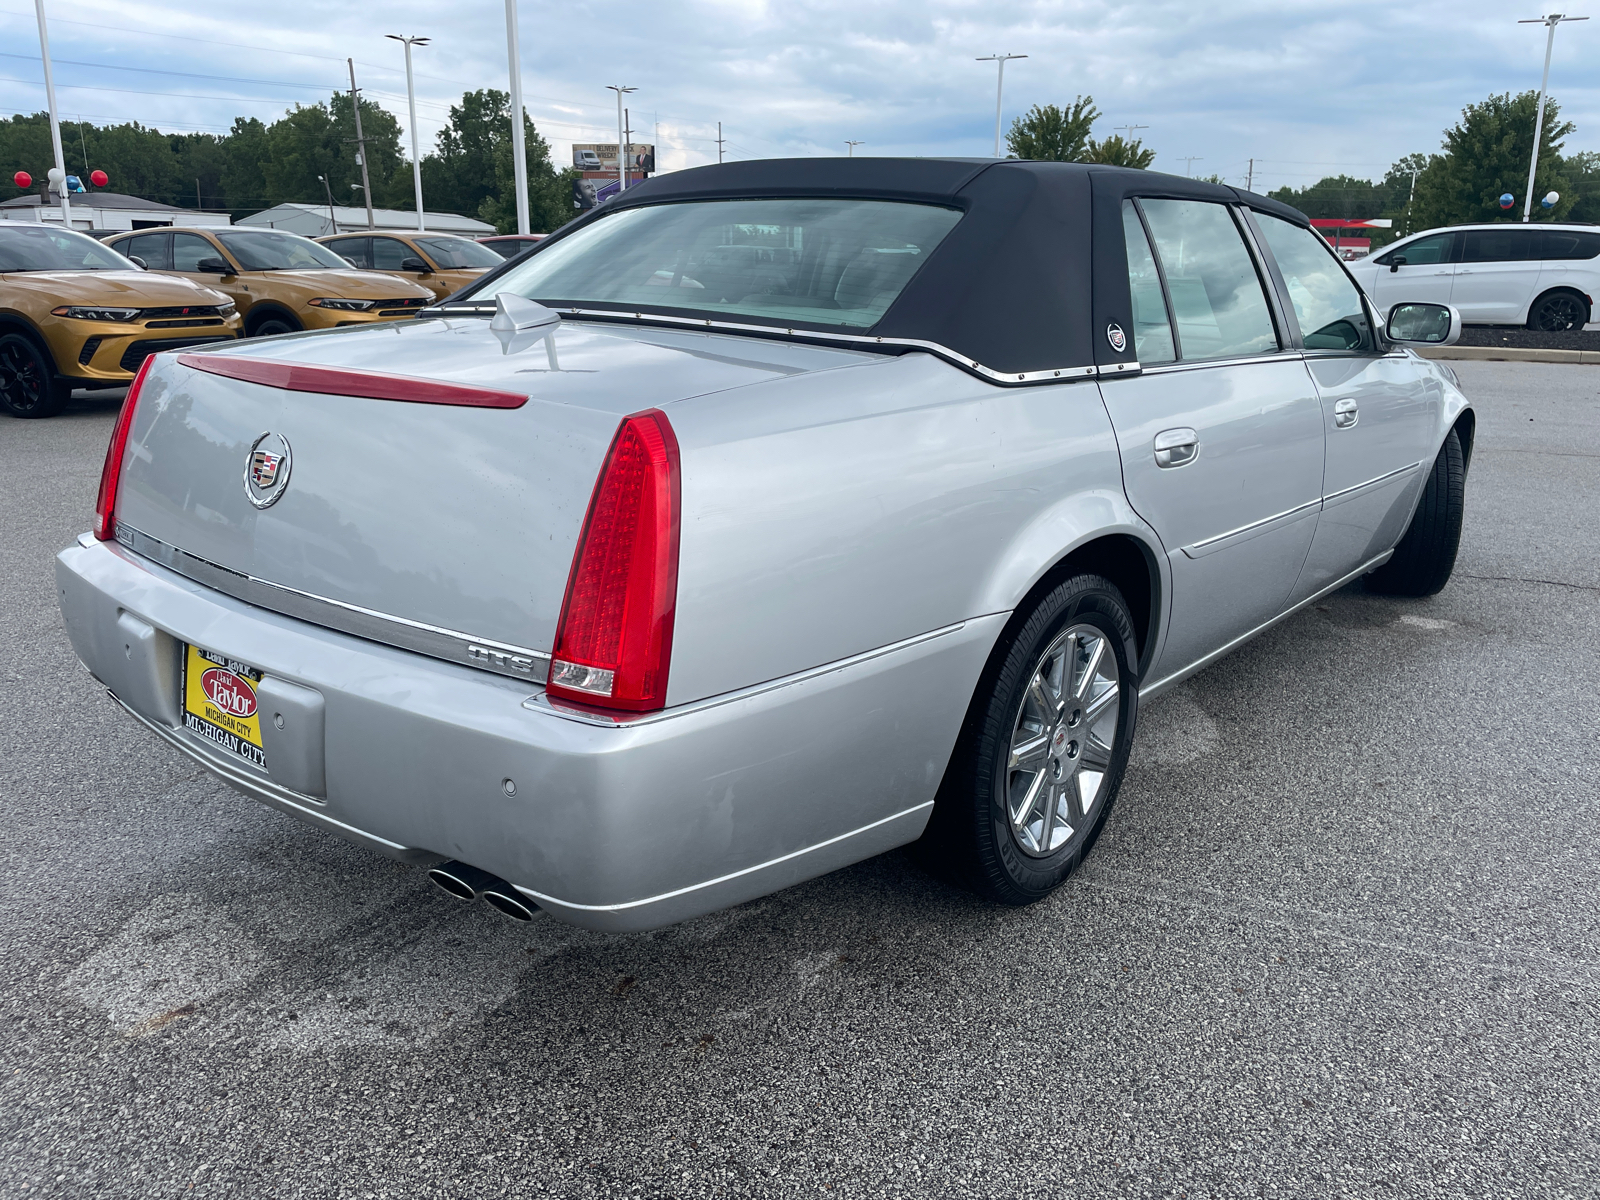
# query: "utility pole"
{"type": "Point", "coordinates": [1188, 161]}
{"type": "Point", "coordinates": [1250, 178]}
{"type": "Point", "coordinates": [627, 132]}
{"type": "Point", "coordinates": [411, 95]}
{"type": "Point", "coordinates": [1551, 21]}
{"type": "Point", "coordinates": [197, 203]}
{"type": "Point", "coordinates": [519, 141]}
{"type": "Point", "coordinates": [999, 90]}
{"type": "Point", "coordinates": [361, 142]}
{"type": "Point", "coordinates": [719, 141]}
{"type": "Point", "coordinates": [851, 153]}
{"type": "Point", "coordinates": [1130, 129]}
{"type": "Point", "coordinates": [55, 122]}
{"type": "Point", "coordinates": [622, 150]}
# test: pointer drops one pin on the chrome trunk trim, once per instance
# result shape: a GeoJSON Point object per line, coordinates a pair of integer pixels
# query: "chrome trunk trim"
{"type": "Point", "coordinates": [516, 662]}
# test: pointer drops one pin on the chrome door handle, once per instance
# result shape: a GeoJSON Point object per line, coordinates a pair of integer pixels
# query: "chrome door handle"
{"type": "Point", "coordinates": [1345, 414]}
{"type": "Point", "coordinates": [1176, 447]}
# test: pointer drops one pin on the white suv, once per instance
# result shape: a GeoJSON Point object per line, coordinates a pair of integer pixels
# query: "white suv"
{"type": "Point", "coordinates": [1541, 276]}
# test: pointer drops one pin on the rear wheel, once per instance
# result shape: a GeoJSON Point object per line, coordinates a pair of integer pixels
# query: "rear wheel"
{"type": "Point", "coordinates": [28, 383]}
{"type": "Point", "coordinates": [1558, 311]}
{"type": "Point", "coordinates": [1426, 556]}
{"type": "Point", "coordinates": [1043, 749]}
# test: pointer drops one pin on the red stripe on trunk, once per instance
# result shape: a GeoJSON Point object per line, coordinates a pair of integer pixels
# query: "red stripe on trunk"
{"type": "Point", "coordinates": [335, 381]}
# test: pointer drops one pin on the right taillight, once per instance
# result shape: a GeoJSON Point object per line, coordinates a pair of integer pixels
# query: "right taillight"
{"type": "Point", "coordinates": [105, 505]}
{"type": "Point", "coordinates": [614, 640]}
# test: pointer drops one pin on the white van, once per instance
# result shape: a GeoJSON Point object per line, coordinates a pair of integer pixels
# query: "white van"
{"type": "Point", "coordinates": [1542, 276]}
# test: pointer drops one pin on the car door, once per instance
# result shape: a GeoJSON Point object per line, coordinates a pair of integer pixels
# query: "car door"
{"type": "Point", "coordinates": [1220, 431]}
{"type": "Point", "coordinates": [1423, 271]}
{"type": "Point", "coordinates": [1379, 410]}
{"type": "Point", "coordinates": [1495, 274]}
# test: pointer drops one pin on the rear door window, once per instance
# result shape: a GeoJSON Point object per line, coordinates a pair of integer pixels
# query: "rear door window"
{"type": "Point", "coordinates": [1498, 245]}
{"type": "Point", "coordinates": [357, 249]}
{"type": "Point", "coordinates": [153, 249]}
{"type": "Point", "coordinates": [1152, 327]}
{"type": "Point", "coordinates": [1218, 303]}
{"type": "Point", "coordinates": [1326, 303]}
{"type": "Point", "coordinates": [1570, 244]}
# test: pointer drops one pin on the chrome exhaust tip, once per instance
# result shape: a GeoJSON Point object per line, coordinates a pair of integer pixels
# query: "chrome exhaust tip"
{"type": "Point", "coordinates": [462, 880]}
{"type": "Point", "coordinates": [506, 899]}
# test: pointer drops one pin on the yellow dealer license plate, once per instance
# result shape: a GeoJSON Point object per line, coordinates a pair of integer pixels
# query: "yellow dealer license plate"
{"type": "Point", "coordinates": [219, 704]}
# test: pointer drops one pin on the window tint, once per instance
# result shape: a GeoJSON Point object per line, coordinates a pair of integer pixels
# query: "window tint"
{"type": "Point", "coordinates": [1152, 329]}
{"type": "Point", "coordinates": [358, 250]}
{"type": "Point", "coordinates": [389, 253]}
{"type": "Point", "coordinates": [1217, 300]}
{"type": "Point", "coordinates": [188, 249]}
{"type": "Point", "coordinates": [154, 248]}
{"type": "Point", "coordinates": [1499, 245]}
{"type": "Point", "coordinates": [1569, 243]}
{"type": "Point", "coordinates": [275, 250]}
{"type": "Point", "coordinates": [454, 253]}
{"type": "Point", "coordinates": [1326, 303]}
{"type": "Point", "coordinates": [1423, 251]}
{"type": "Point", "coordinates": [824, 261]}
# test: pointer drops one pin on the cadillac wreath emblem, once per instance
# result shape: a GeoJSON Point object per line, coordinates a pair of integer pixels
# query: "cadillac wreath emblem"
{"type": "Point", "coordinates": [266, 469]}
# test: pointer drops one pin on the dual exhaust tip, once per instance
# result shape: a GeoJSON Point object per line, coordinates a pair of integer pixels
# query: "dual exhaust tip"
{"type": "Point", "coordinates": [466, 882]}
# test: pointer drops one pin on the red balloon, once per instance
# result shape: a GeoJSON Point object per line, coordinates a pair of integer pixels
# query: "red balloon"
{"type": "Point", "coordinates": [99, 178]}
{"type": "Point", "coordinates": [22, 179]}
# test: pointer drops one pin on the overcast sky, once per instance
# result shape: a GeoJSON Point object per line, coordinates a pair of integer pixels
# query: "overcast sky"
{"type": "Point", "coordinates": [1306, 89]}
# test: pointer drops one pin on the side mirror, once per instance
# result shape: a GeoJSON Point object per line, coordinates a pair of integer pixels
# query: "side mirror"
{"type": "Point", "coordinates": [1396, 263]}
{"type": "Point", "coordinates": [214, 266]}
{"type": "Point", "coordinates": [138, 262]}
{"type": "Point", "coordinates": [1423, 325]}
{"type": "Point", "coordinates": [417, 265]}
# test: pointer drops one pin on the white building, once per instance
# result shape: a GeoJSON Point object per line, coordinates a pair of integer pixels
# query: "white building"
{"type": "Point", "coordinates": [319, 220]}
{"type": "Point", "coordinates": [96, 211]}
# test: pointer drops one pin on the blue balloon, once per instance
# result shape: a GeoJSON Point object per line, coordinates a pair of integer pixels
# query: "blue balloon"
{"type": "Point", "coordinates": [1507, 200]}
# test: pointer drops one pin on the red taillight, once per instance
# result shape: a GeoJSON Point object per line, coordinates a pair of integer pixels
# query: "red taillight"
{"type": "Point", "coordinates": [614, 641]}
{"type": "Point", "coordinates": [105, 505]}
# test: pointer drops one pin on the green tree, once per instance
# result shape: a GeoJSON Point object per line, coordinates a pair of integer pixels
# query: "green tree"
{"type": "Point", "coordinates": [1052, 134]}
{"type": "Point", "coordinates": [1115, 151]}
{"type": "Point", "coordinates": [1485, 155]}
{"type": "Point", "coordinates": [1584, 171]}
{"type": "Point", "coordinates": [472, 173]}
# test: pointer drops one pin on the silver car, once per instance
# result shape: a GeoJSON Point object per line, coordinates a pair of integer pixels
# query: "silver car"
{"type": "Point", "coordinates": [775, 515]}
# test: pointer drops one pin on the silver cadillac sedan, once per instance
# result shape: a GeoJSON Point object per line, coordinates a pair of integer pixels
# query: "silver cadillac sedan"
{"type": "Point", "coordinates": [769, 517]}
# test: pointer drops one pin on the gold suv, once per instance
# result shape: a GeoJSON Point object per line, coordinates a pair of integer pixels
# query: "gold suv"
{"type": "Point", "coordinates": [442, 262]}
{"type": "Point", "coordinates": [76, 314]}
{"type": "Point", "coordinates": [280, 281]}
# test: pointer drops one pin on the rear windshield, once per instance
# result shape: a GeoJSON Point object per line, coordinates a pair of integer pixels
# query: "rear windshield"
{"type": "Point", "coordinates": [274, 250]}
{"type": "Point", "coordinates": [40, 248]}
{"type": "Point", "coordinates": [814, 262]}
{"type": "Point", "coordinates": [453, 253]}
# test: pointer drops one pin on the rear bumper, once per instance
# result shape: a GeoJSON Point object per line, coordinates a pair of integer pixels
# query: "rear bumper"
{"type": "Point", "coordinates": [618, 827]}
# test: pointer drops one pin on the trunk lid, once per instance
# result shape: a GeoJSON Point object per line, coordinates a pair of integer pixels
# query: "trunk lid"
{"type": "Point", "coordinates": [459, 520]}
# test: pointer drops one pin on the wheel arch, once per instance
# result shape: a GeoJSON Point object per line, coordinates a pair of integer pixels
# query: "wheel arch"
{"type": "Point", "coordinates": [13, 322]}
{"type": "Point", "coordinates": [1569, 289]}
{"type": "Point", "coordinates": [266, 309]}
{"type": "Point", "coordinates": [1466, 427]}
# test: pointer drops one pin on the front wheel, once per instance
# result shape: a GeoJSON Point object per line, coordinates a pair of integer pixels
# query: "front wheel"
{"type": "Point", "coordinates": [272, 326]}
{"type": "Point", "coordinates": [1044, 747]}
{"type": "Point", "coordinates": [28, 383]}
{"type": "Point", "coordinates": [1426, 556]}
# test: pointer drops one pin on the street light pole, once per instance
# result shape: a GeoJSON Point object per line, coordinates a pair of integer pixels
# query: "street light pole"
{"type": "Point", "coordinates": [55, 123]}
{"type": "Point", "coordinates": [851, 153]}
{"type": "Point", "coordinates": [1551, 21]}
{"type": "Point", "coordinates": [622, 149]}
{"type": "Point", "coordinates": [519, 147]}
{"type": "Point", "coordinates": [1188, 162]}
{"type": "Point", "coordinates": [411, 96]}
{"type": "Point", "coordinates": [327, 191]}
{"type": "Point", "coordinates": [999, 90]}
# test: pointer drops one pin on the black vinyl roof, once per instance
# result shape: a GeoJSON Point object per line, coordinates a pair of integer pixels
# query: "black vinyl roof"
{"type": "Point", "coordinates": [1010, 286]}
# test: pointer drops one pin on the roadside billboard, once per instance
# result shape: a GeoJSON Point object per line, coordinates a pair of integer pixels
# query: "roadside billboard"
{"type": "Point", "coordinates": [602, 156]}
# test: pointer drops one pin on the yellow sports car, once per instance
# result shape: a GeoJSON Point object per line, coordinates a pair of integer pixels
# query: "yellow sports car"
{"type": "Point", "coordinates": [441, 262]}
{"type": "Point", "coordinates": [280, 281]}
{"type": "Point", "coordinates": [76, 314]}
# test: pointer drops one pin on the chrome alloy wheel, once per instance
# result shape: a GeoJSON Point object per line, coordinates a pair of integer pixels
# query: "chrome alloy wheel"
{"type": "Point", "coordinates": [1062, 739]}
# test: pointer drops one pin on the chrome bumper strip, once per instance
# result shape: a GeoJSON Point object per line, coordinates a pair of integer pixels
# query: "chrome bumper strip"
{"type": "Point", "coordinates": [517, 662]}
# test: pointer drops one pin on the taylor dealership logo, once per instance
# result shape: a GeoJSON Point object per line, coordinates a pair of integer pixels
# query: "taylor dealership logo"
{"type": "Point", "coordinates": [229, 693]}
{"type": "Point", "coordinates": [266, 469]}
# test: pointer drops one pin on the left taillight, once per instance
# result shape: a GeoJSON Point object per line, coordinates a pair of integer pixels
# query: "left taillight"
{"type": "Point", "coordinates": [614, 640]}
{"type": "Point", "coordinates": [105, 506]}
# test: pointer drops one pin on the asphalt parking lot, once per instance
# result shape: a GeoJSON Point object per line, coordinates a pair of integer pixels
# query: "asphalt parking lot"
{"type": "Point", "coordinates": [1341, 938]}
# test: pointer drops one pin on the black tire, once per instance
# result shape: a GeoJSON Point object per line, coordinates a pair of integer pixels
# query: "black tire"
{"type": "Point", "coordinates": [1426, 555]}
{"type": "Point", "coordinates": [273, 324]}
{"type": "Point", "coordinates": [1556, 312]}
{"type": "Point", "coordinates": [973, 835]}
{"type": "Point", "coordinates": [29, 386]}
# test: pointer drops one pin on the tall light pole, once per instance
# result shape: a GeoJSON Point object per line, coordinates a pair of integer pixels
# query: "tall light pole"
{"type": "Point", "coordinates": [622, 149]}
{"type": "Point", "coordinates": [411, 95]}
{"type": "Point", "coordinates": [1188, 162]}
{"type": "Point", "coordinates": [851, 153]}
{"type": "Point", "coordinates": [55, 123]}
{"type": "Point", "coordinates": [519, 148]}
{"type": "Point", "coordinates": [327, 191]}
{"type": "Point", "coordinates": [999, 90]}
{"type": "Point", "coordinates": [1551, 21]}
